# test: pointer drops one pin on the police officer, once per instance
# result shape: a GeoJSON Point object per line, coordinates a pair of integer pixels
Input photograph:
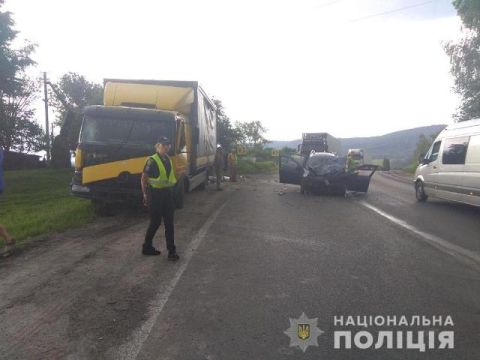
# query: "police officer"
{"type": "Point", "coordinates": [158, 181]}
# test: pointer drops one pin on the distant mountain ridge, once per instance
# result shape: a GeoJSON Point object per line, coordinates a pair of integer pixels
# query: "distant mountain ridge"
{"type": "Point", "coordinates": [397, 146]}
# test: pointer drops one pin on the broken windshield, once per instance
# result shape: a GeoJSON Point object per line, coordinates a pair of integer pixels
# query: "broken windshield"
{"type": "Point", "coordinates": [326, 165]}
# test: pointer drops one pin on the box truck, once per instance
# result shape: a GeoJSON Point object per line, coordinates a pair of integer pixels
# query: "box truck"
{"type": "Point", "coordinates": [318, 142]}
{"type": "Point", "coordinates": [117, 138]}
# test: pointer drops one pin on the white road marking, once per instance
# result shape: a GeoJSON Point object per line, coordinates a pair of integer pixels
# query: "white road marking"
{"type": "Point", "coordinates": [131, 349]}
{"type": "Point", "coordinates": [466, 256]}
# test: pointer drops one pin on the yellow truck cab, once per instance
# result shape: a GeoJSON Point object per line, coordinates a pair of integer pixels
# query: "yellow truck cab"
{"type": "Point", "coordinates": [116, 139]}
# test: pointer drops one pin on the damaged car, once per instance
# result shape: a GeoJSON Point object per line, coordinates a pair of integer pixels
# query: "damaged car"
{"type": "Point", "coordinates": [324, 173]}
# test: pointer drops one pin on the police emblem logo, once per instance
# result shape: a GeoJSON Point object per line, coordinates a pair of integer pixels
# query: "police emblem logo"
{"type": "Point", "coordinates": [303, 332]}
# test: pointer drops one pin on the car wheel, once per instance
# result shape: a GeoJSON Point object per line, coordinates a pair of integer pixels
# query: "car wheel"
{"type": "Point", "coordinates": [420, 191]}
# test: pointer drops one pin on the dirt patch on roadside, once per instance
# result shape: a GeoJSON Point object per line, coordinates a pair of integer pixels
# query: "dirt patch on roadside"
{"type": "Point", "coordinates": [83, 291]}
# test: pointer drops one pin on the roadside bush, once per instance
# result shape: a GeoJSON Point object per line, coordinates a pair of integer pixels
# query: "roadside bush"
{"type": "Point", "coordinates": [248, 167]}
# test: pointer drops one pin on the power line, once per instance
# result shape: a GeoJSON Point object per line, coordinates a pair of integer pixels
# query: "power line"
{"type": "Point", "coordinates": [392, 11]}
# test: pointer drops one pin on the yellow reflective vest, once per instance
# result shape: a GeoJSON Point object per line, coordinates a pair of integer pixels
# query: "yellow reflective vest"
{"type": "Point", "coordinates": [162, 181]}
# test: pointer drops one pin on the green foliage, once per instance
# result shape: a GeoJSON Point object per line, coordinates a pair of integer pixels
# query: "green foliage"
{"type": "Point", "coordinates": [287, 151]}
{"type": "Point", "coordinates": [465, 60]}
{"type": "Point", "coordinates": [469, 12]}
{"type": "Point", "coordinates": [37, 202]}
{"type": "Point", "coordinates": [13, 62]}
{"type": "Point", "coordinates": [421, 149]}
{"type": "Point", "coordinates": [77, 92]}
{"type": "Point", "coordinates": [252, 133]}
{"type": "Point", "coordinates": [73, 93]}
{"type": "Point", "coordinates": [249, 167]}
{"type": "Point", "coordinates": [247, 133]}
{"type": "Point", "coordinates": [18, 129]}
{"type": "Point", "coordinates": [227, 135]}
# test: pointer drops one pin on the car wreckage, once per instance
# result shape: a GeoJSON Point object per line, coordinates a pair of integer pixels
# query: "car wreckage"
{"type": "Point", "coordinates": [324, 173]}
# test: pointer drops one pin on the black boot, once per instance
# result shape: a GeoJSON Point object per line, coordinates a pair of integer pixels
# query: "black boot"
{"type": "Point", "coordinates": [173, 256]}
{"type": "Point", "coordinates": [150, 250]}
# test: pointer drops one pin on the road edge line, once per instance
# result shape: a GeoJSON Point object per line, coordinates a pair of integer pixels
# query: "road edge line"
{"type": "Point", "coordinates": [467, 256]}
{"type": "Point", "coordinates": [131, 348]}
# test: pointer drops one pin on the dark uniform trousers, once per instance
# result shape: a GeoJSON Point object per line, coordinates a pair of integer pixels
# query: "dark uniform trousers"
{"type": "Point", "coordinates": [161, 205]}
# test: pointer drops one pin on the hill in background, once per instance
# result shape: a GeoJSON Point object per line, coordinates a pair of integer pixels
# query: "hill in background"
{"type": "Point", "coordinates": [398, 146]}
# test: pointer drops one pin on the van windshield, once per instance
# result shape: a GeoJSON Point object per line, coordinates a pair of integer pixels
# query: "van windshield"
{"type": "Point", "coordinates": [115, 130]}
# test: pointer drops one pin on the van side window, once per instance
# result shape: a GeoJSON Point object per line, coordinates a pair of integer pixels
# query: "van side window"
{"type": "Point", "coordinates": [434, 152]}
{"type": "Point", "coordinates": [455, 150]}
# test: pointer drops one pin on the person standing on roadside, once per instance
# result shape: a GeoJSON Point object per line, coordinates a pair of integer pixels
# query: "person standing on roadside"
{"type": "Point", "coordinates": [158, 181]}
{"type": "Point", "coordinates": [9, 241]}
{"type": "Point", "coordinates": [219, 164]}
{"type": "Point", "coordinates": [232, 165]}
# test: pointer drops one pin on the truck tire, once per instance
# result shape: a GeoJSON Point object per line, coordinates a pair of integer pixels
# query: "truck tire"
{"type": "Point", "coordinates": [203, 186]}
{"type": "Point", "coordinates": [179, 195]}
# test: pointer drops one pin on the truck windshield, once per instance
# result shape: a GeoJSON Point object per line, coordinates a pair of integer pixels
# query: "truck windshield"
{"type": "Point", "coordinates": [109, 130]}
{"type": "Point", "coordinates": [323, 165]}
{"type": "Point", "coordinates": [357, 156]}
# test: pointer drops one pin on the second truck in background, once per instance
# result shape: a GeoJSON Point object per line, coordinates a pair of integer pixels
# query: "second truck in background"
{"type": "Point", "coordinates": [318, 142]}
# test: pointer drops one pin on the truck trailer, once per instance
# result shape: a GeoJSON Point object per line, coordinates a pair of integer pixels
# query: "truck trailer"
{"type": "Point", "coordinates": [117, 138]}
{"type": "Point", "coordinates": [318, 142]}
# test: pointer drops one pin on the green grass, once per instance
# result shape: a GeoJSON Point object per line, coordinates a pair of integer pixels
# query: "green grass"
{"type": "Point", "coordinates": [411, 168]}
{"type": "Point", "coordinates": [37, 202]}
{"type": "Point", "coordinates": [260, 167]}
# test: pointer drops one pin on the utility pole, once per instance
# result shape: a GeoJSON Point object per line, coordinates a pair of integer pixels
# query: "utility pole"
{"type": "Point", "coordinates": [47, 126]}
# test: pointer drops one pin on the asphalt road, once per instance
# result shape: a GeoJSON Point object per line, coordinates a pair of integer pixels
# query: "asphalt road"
{"type": "Point", "coordinates": [253, 257]}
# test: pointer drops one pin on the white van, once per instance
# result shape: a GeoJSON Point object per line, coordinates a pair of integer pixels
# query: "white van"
{"type": "Point", "coordinates": [451, 168]}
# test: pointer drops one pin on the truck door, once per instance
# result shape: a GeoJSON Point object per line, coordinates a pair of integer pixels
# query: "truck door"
{"type": "Point", "coordinates": [359, 179]}
{"type": "Point", "coordinates": [291, 169]}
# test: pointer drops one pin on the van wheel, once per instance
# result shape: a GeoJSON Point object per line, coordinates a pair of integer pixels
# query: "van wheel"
{"type": "Point", "coordinates": [420, 192]}
{"type": "Point", "coordinates": [180, 195]}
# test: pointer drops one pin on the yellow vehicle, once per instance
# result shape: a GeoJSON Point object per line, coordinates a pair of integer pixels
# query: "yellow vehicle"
{"type": "Point", "coordinates": [116, 139]}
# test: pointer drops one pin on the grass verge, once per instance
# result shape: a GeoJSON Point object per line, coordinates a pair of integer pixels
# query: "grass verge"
{"type": "Point", "coordinates": [259, 167]}
{"type": "Point", "coordinates": [37, 202]}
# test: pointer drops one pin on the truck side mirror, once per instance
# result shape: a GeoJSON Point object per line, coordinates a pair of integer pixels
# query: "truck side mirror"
{"type": "Point", "coordinates": [421, 157]}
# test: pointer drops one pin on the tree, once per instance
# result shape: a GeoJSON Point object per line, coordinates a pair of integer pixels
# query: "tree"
{"type": "Point", "coordinates": [77, 92]}
{"type": "Point", "coordinates": [13, 62]}
{"type": "Point", "coordinates": [18, 130]}
{"type": "Point", "coordinates": [465, 60]}
{"type": "Point", "coordinates": [288, 151]}
{"type": "Point", "coordinates": [252, 133]}
{"type": "Point", "coordinates": [423, 145]}
{"type": "Point", "coordinates": [227, 135]}
{"type": "Point", "coordinates": [72, 93]}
